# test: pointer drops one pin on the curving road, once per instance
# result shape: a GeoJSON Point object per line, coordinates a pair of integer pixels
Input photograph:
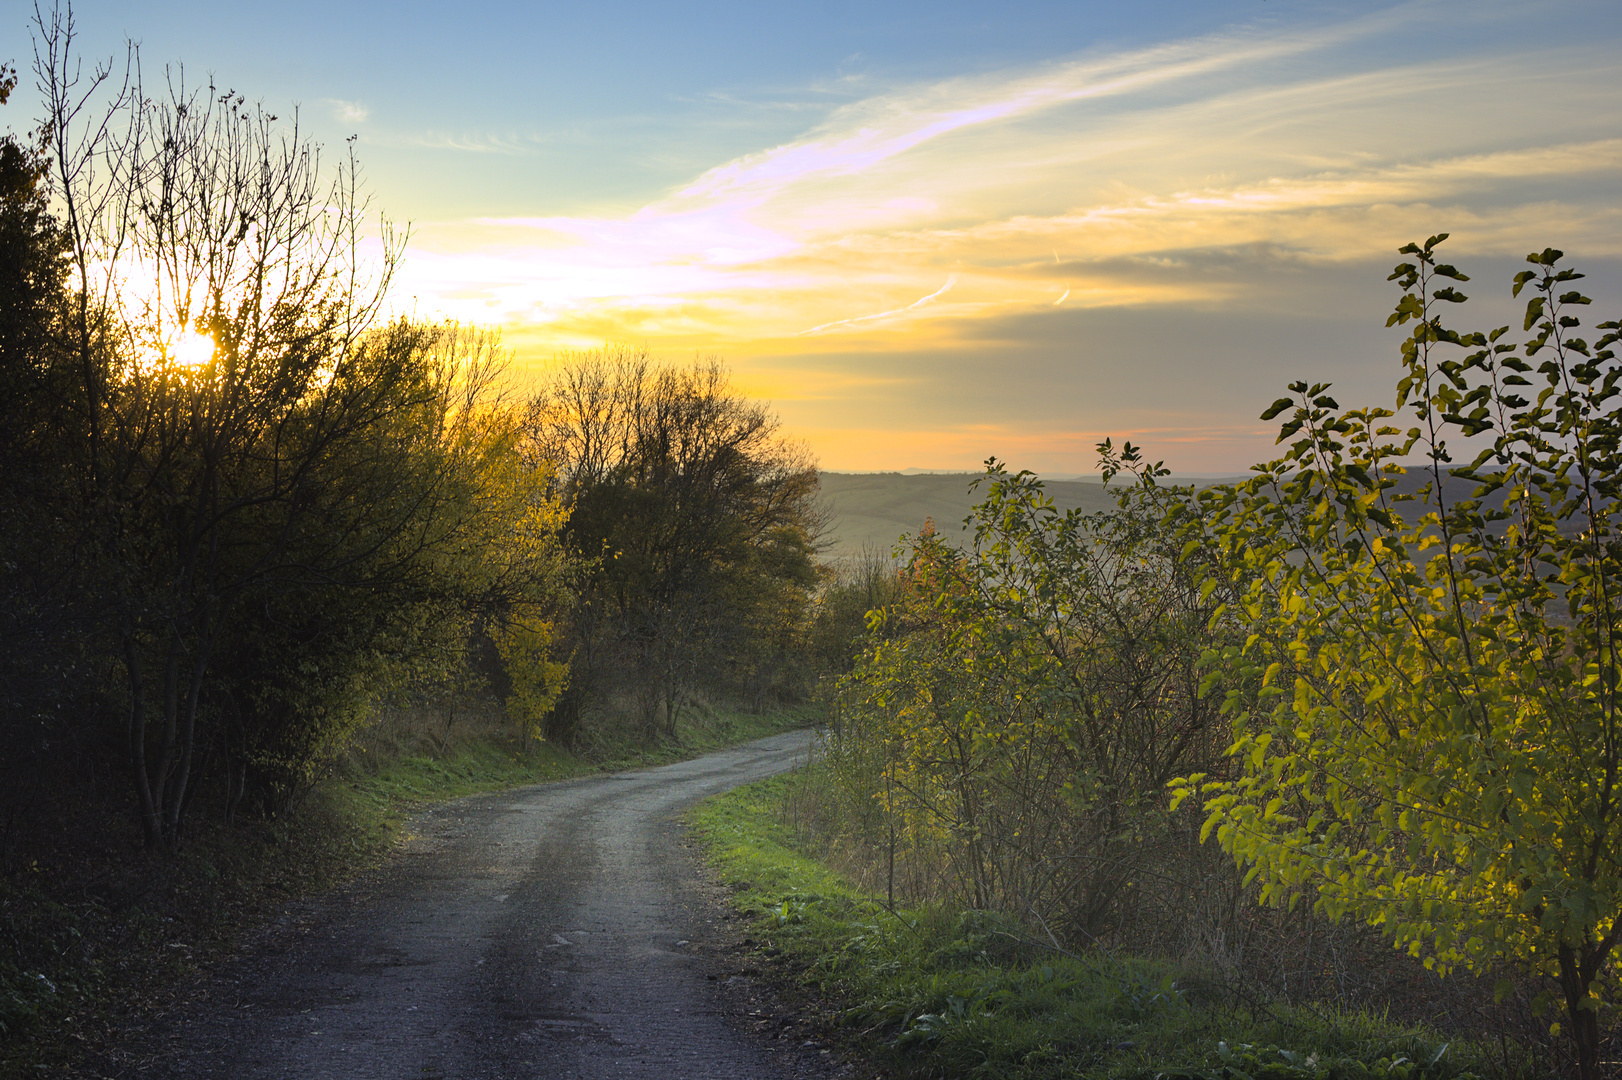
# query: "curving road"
{"type": "Point", "coordinates": [553, 931]}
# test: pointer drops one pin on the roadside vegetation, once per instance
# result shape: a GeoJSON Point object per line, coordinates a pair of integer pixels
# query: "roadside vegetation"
{"type": "Point", "coordinates": [1340, 740]}
{"type": "Point", "coordinates": [934, 989]}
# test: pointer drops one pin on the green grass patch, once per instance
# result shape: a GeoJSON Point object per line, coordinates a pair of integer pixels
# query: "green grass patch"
{"type": "Point", "coordinates": [395, 781]}
{"type": "Point", "coordinates": [941, 992]}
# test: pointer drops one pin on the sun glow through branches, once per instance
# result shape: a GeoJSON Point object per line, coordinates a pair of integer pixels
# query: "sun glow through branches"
{"type": "Point", "coordinates": [190, 349]}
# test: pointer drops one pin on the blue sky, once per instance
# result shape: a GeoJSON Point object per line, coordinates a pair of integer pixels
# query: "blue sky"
{"type": "Point", "coordinates": [930, 233]}
{"type": "Point", "coordinates": [594, 106]}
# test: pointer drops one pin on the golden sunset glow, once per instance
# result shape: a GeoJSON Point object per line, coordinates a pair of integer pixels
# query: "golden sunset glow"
{"type": "Point", "coordinates": [972, 214]}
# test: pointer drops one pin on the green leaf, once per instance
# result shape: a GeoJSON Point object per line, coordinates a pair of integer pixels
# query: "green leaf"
{"type": "Point", "coordinates": [1277, 407]}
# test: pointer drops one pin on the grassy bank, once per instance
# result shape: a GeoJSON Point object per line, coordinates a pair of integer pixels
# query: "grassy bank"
{"type": "Point", "coordinates": [940, 992]}
{"type": "Point", "coordinates": [392, 772]}
{"type": "Point", "coordinates": [96, 935]}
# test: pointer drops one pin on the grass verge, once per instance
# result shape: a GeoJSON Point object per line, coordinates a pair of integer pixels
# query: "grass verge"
{"type": "Point", "coordinates": [378, 788]}
{"type": "Point", "coordinates": [938, 992]}
{"type": "Point", "coordinates": [96, 934]}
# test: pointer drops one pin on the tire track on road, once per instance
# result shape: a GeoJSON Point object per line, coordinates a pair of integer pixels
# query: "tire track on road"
{"type": "Point", "coordinates": [552, 931]}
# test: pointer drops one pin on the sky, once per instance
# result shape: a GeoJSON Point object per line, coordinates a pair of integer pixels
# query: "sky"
{"type": "Point", "coordinates": [932, 233]}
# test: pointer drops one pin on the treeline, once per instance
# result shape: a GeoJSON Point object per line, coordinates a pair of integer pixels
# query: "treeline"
{"type": "Point", "coordinates": [1380, 676]}
{"type": "Point", "coordinates": [241, 507]}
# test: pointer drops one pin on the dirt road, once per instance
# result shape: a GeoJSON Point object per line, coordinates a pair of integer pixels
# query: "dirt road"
{"type": "Point", "coordinates": [555, 931]}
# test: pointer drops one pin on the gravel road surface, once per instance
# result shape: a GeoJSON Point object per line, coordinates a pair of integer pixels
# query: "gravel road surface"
{"type": "Point", "coordinates": [554, 931]}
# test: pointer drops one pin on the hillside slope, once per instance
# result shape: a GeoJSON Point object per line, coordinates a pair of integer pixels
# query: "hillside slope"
{"type": "Point", "coordinates": [874, 510]}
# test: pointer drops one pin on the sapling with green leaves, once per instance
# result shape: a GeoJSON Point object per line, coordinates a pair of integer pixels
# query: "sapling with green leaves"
{"type": "Point", "coordinates": [1425, 703]}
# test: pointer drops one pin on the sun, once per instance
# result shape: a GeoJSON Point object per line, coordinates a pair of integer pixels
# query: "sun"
{"type": "Point", "coordinates": [191, 350]}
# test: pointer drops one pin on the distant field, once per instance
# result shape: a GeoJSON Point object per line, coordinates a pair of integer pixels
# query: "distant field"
{"type": "Point", "coordinates": [875, 509]}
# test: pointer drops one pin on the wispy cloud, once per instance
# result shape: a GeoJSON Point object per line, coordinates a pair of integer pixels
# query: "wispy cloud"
{"type": "Point", "coordinates": [1136, 166]}
{"type": "Point", "coordinates": [347, 112]}
{"type": "Point", "coordinates": [462, 142]}
{"type": "Point", "coordinates": [860, 136]}
{"type": "Point", "coordinates": [914, 306]}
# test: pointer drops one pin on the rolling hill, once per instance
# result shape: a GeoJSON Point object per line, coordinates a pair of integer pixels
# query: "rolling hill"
{"type": "Point", "coordinates": [874, 510]}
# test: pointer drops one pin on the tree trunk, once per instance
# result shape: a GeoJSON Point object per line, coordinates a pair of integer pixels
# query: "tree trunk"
{"type": "Point", "coordinates": [163, 787]}
{"type": "Point", "coordinates": [1576, 974]}
{"type": "Point", "coordinates": [151, 821]}
{"type": "Point", "coordinates": [184, 783]}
